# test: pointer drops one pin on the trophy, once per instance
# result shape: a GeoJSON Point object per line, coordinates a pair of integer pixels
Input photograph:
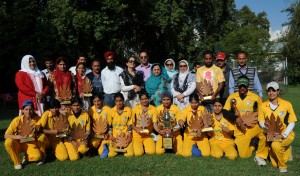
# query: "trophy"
{"type": "Point", "coordinates": [239, 123]}
{"type": "Point", "coordinates": [79, 135]}
{"type": "Point", "coordinates": [250, 119]}
{"type": "Point", "coordinates": [121, 142]}
{"type": "Point", "coordinates": [62, 125]}
{"type": "Point", "coordinates": [87, 87]}
{"type": "Point", "coordinates": [144, 122]}
{"type": "Point", "coordinates": [207, 121]}
{"type": "Point", "coordinates": [206, 90]}
{"type": "Point", "coordinates": [195, 125]}
{"type": "Point", "coordinates": [64, 94]}
{"type": "Point", "coordinates": [26, 129]}
{"type": "Point", "coordinates": [274, 128]}
{"type": "Point", "coordinates": [99, 128]}
{"type": "Point", "coordinates": [166, 121]}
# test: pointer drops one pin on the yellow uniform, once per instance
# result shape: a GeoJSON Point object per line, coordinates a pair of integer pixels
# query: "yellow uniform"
{"type": "Point", "coordinates": [189, 141]}
{"type": "Point", "coordinates": [47, 122]}
{"type": "Point", "coordinates": [214, 75]}
{"type": "Point", "coordinates": [14, 147]}
{"type": "Point", "coordinates": [242, 140]}
{"type": "Point", "coordinates": [120, 123]}
{"type": "Point", "coordinates": [95, 143]}
{"type": "Point", "coordinates": [220, 142]}
{"type": "Point", "coordinates": [280, 151]}
{"type": "Point", "coordinates": [83, 120]}
{"type": "Point", "coordinates": [143, 141]}
{"type": "Point", "coordinates": [174, 112]}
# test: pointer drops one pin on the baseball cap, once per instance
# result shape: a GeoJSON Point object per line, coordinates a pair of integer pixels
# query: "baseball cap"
{"type": "Point", "coordinates": [243, 81]}
{"type": "Point", "coordinates": [221, 56]}
{"type": "Point", "coordinates": [27, 103]}
{"type": "Point", "coordinates": [273, 85]}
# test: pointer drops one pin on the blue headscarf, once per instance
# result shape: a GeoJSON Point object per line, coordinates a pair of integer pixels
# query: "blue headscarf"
{"type": "Point", "coordinates": [153, 81]}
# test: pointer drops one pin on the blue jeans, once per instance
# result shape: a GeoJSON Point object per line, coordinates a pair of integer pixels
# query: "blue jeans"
{"type": "Point", "coordinates": [109, 100]}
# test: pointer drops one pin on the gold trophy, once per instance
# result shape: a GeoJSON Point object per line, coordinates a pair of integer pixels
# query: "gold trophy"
{"type": "Point", "coordinates": [65, 95]}
{"type": "Point", "coordinates": [99, 128]}
{"type": "Point", "coordinates": [144, 122]}
{"type": "Point", "coordinates": [87, 87]}
{"type": "Point", "coordinates": [195, 125]}
{"type": "Point", "coordinates": [274, 128]}
{"type": "Point", "coordinates": [207, 121]}
{"type": "Point", "coordinates": [62, 125]}
{"type": "Point", "coordinates": [26, 130]}
{"type": "Point", "coordinates": [79, 135]}
{"type": "Point", "coordinates": [166, 121]}
{"type": "Point", "coordinates": [122, 141]}
{"type": "Point", "coordinates": [206, 90]}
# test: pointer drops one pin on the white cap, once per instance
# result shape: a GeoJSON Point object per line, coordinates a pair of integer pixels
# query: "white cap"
{"type": "Point", "coordinates": [273, 85]}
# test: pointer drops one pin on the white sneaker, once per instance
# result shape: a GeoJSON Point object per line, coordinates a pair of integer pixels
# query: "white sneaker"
{"type": "Point", "coordinates": [40, 162]}
{"type": "Point", "coordinates": [260, 161]}
{"type": "Point", "coordinates": [283, 170]}
{"type": "Point", "coordinates": [18, 167]}
{"type": "Point", "coordinates": [24, 161]}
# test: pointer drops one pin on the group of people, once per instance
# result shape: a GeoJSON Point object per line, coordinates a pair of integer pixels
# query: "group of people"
{"type": "Point", "coordinates": [128, 107]}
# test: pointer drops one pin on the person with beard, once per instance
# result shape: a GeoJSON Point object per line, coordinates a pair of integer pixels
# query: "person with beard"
{"type": "Point", "coordinates": [221, 62]}
{"type": "Point", "coordinates": [49, 67]}
{"type": "Point", "coordinates": [145, 66]}
{"type": "Point", "coordinates": [243, 69]}
{"type": "Point", "coordinates": [95, 77]}
{"type": "Point", "coordinates": [213, 75]}
{"type": "Point", "coordinates": [110, 79]}
{"type": "Point", "coordinates": [132, 82]}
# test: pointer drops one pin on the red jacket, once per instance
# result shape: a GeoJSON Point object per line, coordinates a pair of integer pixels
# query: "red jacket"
{"type": "Point", "coordinates": [26, 88]}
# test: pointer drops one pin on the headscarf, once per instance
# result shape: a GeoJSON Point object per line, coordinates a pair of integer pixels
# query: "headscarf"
{"type": "Point", "coordinates": [172, 72]}
{"type": "Point", "coordinates": [62, 77]}
{"type": "Point", "coordinates": [186, 72]}
{"type": "Point", "coordinates": [109, 53]}
{"type": "Point", "coordinates": [153, 81]}
{"type": "Point", "coordinates": [25, 67]}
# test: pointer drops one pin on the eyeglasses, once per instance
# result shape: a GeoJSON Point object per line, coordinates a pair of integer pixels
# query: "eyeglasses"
{"type": "Point", "coordinates": [169, 65]}
{"type": "Point", "coordinates": [131, 61]}
{"type": "Point", "coordinates": [182, 65]}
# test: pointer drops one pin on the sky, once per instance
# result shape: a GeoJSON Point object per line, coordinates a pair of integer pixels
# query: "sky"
{"type": "Point", "coordinates": [273, 9]}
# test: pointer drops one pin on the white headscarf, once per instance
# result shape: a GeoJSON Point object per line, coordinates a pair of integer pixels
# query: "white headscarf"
{"type": "Point", "coordinates": [187, 70]}
{"type": "Point", "coordinates": [25, 67]}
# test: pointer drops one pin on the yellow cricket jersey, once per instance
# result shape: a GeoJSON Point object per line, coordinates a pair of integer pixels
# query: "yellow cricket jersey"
{"type": "Point", "coordinates": [284, 109]}
{"type": "Point", "coordinates": [187, 114]}
{"type": "Point", "coordinates": [119, 122]}
{"type": "Point", "coordinates": [13, 126]}
{"type": "Point", "coordinates": [83, 119]}
{"type": "Point", "coordinates": [245, 105]}
{"type": "Point", "coordinates": [95, 115]}
{"type": "Point", "coordinates": [137, 112]}
{"type": "Point", "coordinates": [214, 75]}
{"type": "Point", "coordinates": [218, 134]}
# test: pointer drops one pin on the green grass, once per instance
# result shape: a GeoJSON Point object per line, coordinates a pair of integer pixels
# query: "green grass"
{"type": "Point", "coordinates": [167, 164]}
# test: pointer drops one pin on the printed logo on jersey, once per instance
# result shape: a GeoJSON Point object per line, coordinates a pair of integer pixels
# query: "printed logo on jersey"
{"type": "Point", "coordinates": [249, 103]}
{"type": "Point", "coordinates": [281, 113]}
{"type": "Point", "coordinates": [124, 118]}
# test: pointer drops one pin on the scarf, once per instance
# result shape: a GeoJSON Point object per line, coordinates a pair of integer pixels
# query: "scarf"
{"type": "Point", "coordinates": [153, 81]}
{"type": "Point", "coordinates": [25, 67]}
{"type": "Point", "coordinates": [172, 72]}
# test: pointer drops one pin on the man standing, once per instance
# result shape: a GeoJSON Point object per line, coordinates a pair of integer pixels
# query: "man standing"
{"type": "Point", "coordinates": [221, 62]}
{"type": "Point", "coordinates": [245, 105]}
{"type": "Point", "coordinates": [280, 151]}
{"type": "Point", "coordinates": [145, 66]}
{"type": "Point", "coordinates": [110, 79]}
{"type": "Point", "coordinates": [49, 67]}
{"type": "Point", "coordinates": [213, 75]}
{"type": "Point", "coordinates": [95, 77]}
{"type": "Point", "coordinates": [243, 69]}
{"type": "Point", "coordinates": [81, 59]}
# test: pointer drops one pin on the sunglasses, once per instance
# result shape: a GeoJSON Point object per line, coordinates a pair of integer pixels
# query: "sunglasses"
{"type": "Point", "coordinates": [169, 64]}
{"type": "Point", "coordinates": [182, 65]}
{"type": "Point", "coordinates": [131, 61]}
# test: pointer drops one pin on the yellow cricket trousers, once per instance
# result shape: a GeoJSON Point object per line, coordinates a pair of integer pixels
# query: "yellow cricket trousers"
{"type": "Point", "coordinates": [141, 142]}
{"type": "Point", "coordinates": [56, 144]}
{"type": "Point", "coordinates": [218, 148]}
{"type": "Point", "coordinates": [98, 144]}
{"type": "Point", "coordinates": [243, 141]}
{"type": "Point", "coordinates": [112, 147]}
{"type": "Point", "coordinates": [14, 148]}
{"type": "Point", "coordinates": [280, 152]}
{"type": "Point", "coordinates": [201, 142]}
{"type": "Point", "coordinates": [73, 152]}
{"type": "Point", "coordinates": [177, 144]}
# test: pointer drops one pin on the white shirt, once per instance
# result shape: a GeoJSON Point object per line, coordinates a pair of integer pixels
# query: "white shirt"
{"type": "Point", "coordinates": [73, 70]}
{"type": "Point", "coordinates": [111, 80]}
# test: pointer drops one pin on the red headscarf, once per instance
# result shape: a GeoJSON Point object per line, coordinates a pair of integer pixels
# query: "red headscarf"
{"type": "Point", "coordinates": [109, 53]}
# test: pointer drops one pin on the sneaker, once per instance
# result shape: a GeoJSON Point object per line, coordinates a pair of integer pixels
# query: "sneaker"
{"type": "Point", "coordinates": [40, 162]}
{"type": "Point", "coordinates": [260, 161]}
{"type": "Point", "coordinates": [283, 170]}
{"type": "Point", "coordinates": [18, 167]}
{"type": "Point", "coordinates": [24, 161]}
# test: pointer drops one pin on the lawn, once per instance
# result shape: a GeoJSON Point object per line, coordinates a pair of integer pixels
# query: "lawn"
{"type": "Point", "coordinates": [167, 164]}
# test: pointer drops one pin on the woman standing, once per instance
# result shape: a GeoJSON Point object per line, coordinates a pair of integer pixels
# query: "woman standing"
{"type": "Point", "coordinates": [157, 83]}
{"type": "Point", "coordinates": [32, 84]}
{"type": "Point", "coordinates": [183, 84]}
{"type": "Point", "coordinates": [80, 80]}
{"type": "Point", "coordinates": [132, 82]}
